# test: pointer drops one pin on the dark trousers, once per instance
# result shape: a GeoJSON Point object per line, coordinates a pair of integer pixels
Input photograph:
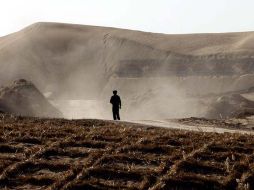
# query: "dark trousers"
{"type": "Point", "coordinates": [115, 111]}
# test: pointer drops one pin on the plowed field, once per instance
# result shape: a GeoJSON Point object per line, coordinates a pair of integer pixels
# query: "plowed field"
{"type": "Point", "coordinates": [94, 154]}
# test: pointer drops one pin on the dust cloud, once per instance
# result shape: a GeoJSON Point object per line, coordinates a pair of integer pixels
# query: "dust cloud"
{"type": "Point", "coordinates": [158, 76]}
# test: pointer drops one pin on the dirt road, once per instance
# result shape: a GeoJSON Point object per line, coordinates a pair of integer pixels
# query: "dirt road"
{"type": "Point", "coordinates": [219, 128]}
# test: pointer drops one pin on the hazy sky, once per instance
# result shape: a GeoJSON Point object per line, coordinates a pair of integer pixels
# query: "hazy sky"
{"type": "Point", "coordinates": [164, 16]}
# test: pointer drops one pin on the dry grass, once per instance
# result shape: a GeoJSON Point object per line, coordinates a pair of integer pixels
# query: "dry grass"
{"type": "Point", "coordinates": [93, 154]}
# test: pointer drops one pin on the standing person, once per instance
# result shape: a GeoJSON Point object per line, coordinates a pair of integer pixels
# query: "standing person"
{"type": "Point", "coordinates": [115, 100]}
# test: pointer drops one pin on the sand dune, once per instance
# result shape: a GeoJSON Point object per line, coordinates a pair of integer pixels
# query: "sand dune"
{"type": "Point", "coordinates": [23, 98]}
{"type": "Point", "coordinates": [87, 62]}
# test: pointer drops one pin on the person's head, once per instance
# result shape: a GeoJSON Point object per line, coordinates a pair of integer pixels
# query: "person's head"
{"type": "Point", "coordinates": [115, 92]}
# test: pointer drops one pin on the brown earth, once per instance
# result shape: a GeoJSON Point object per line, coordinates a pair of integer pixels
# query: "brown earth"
{"type": "Point", "coordinates": [95, 154]}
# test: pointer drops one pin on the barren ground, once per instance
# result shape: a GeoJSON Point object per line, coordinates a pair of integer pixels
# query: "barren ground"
{"type": "Point", "coordinates": [96, 154]}
{"type": "Point", "coordinates": [243, 125]}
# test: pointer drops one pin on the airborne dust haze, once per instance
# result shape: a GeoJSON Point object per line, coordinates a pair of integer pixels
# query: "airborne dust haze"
{"type": "Point", "coordinates": [77, 67]}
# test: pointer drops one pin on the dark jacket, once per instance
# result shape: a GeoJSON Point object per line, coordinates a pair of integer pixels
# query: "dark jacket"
{"type": "Point", "coordinates": [115, 100]}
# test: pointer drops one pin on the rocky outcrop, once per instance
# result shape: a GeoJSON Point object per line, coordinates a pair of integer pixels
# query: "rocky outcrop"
{"type": "Point", "coordinates": [23, 98]}
{"type": "Point", "coordinates": [230, 106]}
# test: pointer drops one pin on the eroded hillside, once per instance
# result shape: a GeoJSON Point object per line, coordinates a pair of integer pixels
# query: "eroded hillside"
{"type": "Point", "coordinates": [171, 73]}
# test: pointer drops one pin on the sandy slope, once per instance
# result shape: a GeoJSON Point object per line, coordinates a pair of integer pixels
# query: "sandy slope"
{"type": "Point", "coordinates": [183, 44]}
{"type": "Point", "coordinates": [87, 62]}
{"type": "Point", "coordinates": [54, 53]}
{"type": "Point", "coordinates": [21, 97]}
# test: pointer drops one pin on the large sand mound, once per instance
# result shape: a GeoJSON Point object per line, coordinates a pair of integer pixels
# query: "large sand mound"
{"type": "Point", "coordinates": [228, 106]}
{"type": "Point", "coordinates": [57, 56]}
{"type": "Point", "coordinates": [87, 62]}
{"type": "Point", "coordinates": [23, 98]}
